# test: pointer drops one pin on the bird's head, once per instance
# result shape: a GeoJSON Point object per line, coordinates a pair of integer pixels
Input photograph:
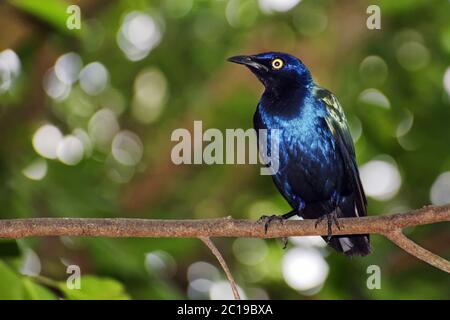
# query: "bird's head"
{"type": "Point", "coordinates": [276, 69]}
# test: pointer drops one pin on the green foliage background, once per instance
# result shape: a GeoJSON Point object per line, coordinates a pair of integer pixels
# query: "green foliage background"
{"type": "Point", "coordinates": [201, 86]}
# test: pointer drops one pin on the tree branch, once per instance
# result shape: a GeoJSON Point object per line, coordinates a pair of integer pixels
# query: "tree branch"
{"type": "Point", "coordinates": [414, 249]}
{"type": "Point", "coordinates": [222, 262]}
{"type": "Point", "coordinates": [389, 226]}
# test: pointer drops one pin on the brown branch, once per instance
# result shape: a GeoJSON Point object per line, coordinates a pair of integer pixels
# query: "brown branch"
{"type": "Point", "coordinates": [414, 249]}
{"type": "Point", "coordinates": [386, 225]}
{"type": "Point", "coordinates": [222, 262]}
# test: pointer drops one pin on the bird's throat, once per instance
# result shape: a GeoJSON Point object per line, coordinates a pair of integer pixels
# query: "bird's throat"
{"type": "Point", "coordinates": [286, 100]}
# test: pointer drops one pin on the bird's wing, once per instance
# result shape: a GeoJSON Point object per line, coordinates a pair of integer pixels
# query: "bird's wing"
{"type": "Point", "coordinates": [335, 119]}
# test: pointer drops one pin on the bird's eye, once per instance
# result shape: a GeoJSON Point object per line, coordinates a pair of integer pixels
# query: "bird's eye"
{"type": "Point", "coordinates": [277, 63]}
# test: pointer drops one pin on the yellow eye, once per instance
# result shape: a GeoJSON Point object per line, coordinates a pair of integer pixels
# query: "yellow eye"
{"type": "Point", "coordinates": [277, 63]}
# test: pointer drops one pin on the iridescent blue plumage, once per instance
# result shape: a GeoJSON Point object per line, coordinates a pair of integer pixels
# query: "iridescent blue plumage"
{"type": "Point", "coordinates": [317, 173]}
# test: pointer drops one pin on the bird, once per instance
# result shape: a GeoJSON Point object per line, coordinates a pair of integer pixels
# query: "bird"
{"type": "Point", "coordinates": [317, 171]}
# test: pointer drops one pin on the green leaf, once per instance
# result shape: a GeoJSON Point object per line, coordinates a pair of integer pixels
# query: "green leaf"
{"type": "Point", "coordinates": [52, 12]}
{"type": "Point", "coordinates": [34, 291]}
{"type": "Point", "coordinates": [94, 288]}
{"type": "Point", "coordinates": [11, 287]}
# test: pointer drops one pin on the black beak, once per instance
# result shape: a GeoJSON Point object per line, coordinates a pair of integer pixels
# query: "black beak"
{"type": "Point", "coordinates": [248, 61]}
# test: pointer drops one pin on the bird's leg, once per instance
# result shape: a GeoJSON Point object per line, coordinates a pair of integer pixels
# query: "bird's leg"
{"type": "Point", "coordinates": [286, 216]}
{"type": "Point", "coordinates": [284, 241]}
{"type": "Point", "coordinates": [334, 216]}
{"type": "Point", "coordinates": [331, 217]}
{"type": "Point", "coordinates": [268, 220]}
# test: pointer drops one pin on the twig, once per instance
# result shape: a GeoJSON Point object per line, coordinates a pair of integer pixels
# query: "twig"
{"type": "Point", "coordinates": [386, 225]}
{"type": "Point", "coordinates": [414, 249]}
{"type": "Point", "coordinates": [222, 262]}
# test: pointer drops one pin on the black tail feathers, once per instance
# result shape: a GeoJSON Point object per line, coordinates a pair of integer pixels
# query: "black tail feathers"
{"type": "Point", "coordinates": [355, 245]}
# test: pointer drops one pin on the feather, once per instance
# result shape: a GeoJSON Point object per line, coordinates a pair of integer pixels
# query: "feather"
{"type": "Point", "coordinates": [337, 124]}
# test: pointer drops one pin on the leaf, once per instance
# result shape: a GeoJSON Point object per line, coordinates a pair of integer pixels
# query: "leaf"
{"type": "Point", "coordinates": [11, 287]}
{"type": "Point", "coordinates": [52, 12]}
{"type": "Point", "coordinates": [34, 291]}
{"type": "Point", "coordinates": [94, 288]}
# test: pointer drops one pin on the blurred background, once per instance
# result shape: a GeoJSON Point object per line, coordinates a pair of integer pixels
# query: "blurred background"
{"type": "Point", "coordinates": [86, 118]}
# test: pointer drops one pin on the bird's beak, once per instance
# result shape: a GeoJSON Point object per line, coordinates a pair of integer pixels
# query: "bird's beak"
{"type": "Point", "coordinates": [248, 61]}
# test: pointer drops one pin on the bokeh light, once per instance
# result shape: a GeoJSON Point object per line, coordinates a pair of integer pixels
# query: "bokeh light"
{"type": "Point", "coordinates": [46, 141]}
{"type": "Point", "coordinates": [355, 128]}
{"type": "Point", "coordinates": [374, 97]}
{"type": "Point", "coordinates": [36, 170]}
{"type": "Point", "coordinates": [240, 13]}
{"type": "Point", "coordinates": [138, 35]}
{"type": "Point", "coordinates": [440, 190]}
{"type": "Point", "coordinates": [257, 293]}
{"type": "Point", "coordinates": [201, 275]}
{"type": "Point", "coordinates": [310, 20]}
{"type": "Point", "coordinates": [202, 270]}
{"type": "Point", "coordinates": [380, 178]}
{"type": "Point", "coordinates": [150, 95]}
{"type": "Point", "coordinates": [31, 264]}
{"type": "Point", "coordinates": [304, 269]}
{"type": "Point", "coordinates": [9, 69]}
{"type": "Point", "coordinates": [94, 78]}
{"type": "Point", "coordinates": [199, 289]}
{"type": "Point", "coordinates": [446, 81]}
{"type": "Point", "coordinates": [54, 87]}
{"type": "Point", "coordinates": [159, 263]}
{"type": "Point", "coordinates": [178, 8]}
{"type": "Point", "coordinates": [127, 148]}
{"type": "Point", "coordinates": [67, 67]}
{"type": "Point", "coordinates": [102, 128]}
{"type": "Point", "coordinates": [405, 125]}
{"type": "Point", "coordinates": [413, 55]}
{"type": "Point", "coordinates": [70, 150]}
{"type": "Point", "coordinates": [250, 251]}
{"type": "Point", "coordinates": [373, 70]}
{"type": "Point", "coordinates": [269, 6]}
{"type": "Point", "coordinates": [114, 100]}
{"type": "Point", "coordinates": [118, 172]}
{"type": "Point", "coordinates": [221, 290]}
{"type": "Point", "coordinates": [83, 136]}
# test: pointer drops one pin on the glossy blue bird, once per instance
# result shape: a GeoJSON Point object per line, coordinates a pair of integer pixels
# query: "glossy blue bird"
{"type": "Point", "coordinates": [317, 174]}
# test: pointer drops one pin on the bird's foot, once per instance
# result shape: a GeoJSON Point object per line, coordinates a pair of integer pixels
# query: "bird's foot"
{"type": "Point", "coordinates": [284, 240]}
{"type": "Point", "coordinates": [267, 220]}
{"type": "Point", "coordinates": [331, 217]}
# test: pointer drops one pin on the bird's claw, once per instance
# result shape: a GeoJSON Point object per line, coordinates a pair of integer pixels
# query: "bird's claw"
{"type": "Point", "coordinates": [336, 220]}
{"type": "Point", "coordinates": [284, 240]}
{"type": "Point", "coordinates": [331, 217]}
{"type": "Point", "coordinates": [319, 220]}
{"type": "Point", "coordinates": [267, 220]}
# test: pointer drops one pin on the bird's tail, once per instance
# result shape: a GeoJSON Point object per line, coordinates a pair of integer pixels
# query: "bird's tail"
{"type": "Point", "coordinates": [352, 245]}
{"type": "Point", "coordinates": [355, 245]}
